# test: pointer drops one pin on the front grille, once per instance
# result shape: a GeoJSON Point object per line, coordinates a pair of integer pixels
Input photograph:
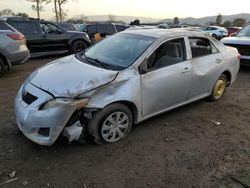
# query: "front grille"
{"type": "Point", "coordinates": [28, 98]}
{"type": "Point", "coordinates": [243, 49]}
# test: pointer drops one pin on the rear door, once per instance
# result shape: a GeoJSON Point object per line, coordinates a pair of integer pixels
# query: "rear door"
{"type": "Point", "coordinates": [54, 37]}
{"type": "Point", "coordinates": [206, 66]}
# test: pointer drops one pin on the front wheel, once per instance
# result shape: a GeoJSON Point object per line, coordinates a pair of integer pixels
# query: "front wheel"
{"type": "Point", "coordinates": [219, 88]}
{"type": "Point", "coordinates": [215, 36]}
{"type": "Point", "coordinates": [111, 124]}
{"type": "Point", "coordinates": [78, 46]}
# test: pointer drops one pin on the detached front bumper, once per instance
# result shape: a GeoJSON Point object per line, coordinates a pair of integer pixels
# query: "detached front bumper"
{"type": "Point", "coordinates": [41, 126]}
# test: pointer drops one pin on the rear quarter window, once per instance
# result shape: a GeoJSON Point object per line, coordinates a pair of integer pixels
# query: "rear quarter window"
{"type": "Point", "coordinates": [120, 28]}
{"type": "Point", "coordinates": [4, 26]}
{"type": "Point", "coordinates": [28, 28]}
{"type": "Point", "coordinates": [201, 47]}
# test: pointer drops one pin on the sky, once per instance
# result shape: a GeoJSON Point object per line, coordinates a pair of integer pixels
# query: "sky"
{"type": "Point", "coordinates": [141, 8]}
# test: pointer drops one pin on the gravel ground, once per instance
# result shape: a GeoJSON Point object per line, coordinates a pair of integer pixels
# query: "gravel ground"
{"type": "Point", "coordinates": [182, 148]}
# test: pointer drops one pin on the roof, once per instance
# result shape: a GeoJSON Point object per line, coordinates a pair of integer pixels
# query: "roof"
{"type": "Point", "coordinates": [158, 33]}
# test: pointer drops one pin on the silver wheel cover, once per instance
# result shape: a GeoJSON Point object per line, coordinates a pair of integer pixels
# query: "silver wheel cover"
{"type": "Point", "coordinates": [115, 127]}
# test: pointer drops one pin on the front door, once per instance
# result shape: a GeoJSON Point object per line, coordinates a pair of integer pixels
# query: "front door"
{"type": "Point", "coordinates": [168, 78]}
{"type": "Point", "coordinates": [54, 38]}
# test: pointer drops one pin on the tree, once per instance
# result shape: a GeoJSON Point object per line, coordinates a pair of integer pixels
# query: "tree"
{"type": "Point", "coordinates": [239, 22]}
{"type": "Point", "coordinates": [219, 20]}
{"type": "Point", "coordinates": [38, 5]}
{"type": "Point", "coordinates": [84, 18]}
{"type": "Point", "coordinates": [6, 12]}
{"type": "Point", "coordinates": [176, 20]}
{"type": "Point", "coordinates": [135, 22]}
{"type": "Point", "coordinates": [111, 18]}
{"type": "Point", "coordinates": [55, 10]}
{"type": "Point", "coordinates": [227, 23]}
{"type": "Point", "coordinates": [24, 15]}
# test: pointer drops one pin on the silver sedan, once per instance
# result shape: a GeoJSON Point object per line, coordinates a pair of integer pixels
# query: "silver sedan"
{"type": "Point", "coordinates": [121, 81]}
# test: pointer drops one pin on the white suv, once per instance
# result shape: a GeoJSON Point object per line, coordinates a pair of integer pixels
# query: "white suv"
{"type": "Point", "coordinates": [216, 32]}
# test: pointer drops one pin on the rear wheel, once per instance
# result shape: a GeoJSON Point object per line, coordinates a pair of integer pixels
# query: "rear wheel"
{"type": "Point", "coordinates": [219, 88]}
{"type": "Point", "coordinates": [78, 46]}
{"type": "Point", "coordinates": [2, 67]}
{"type": "Point", "coordinates": [111, 124]}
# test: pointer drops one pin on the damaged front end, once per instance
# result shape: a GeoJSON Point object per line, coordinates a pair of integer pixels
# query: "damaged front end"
{"type": "Point", "coordinates": [42, 118]}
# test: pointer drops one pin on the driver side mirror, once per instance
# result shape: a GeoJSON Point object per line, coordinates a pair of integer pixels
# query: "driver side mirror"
{"type": "Point", "coordinates": [143, 67]}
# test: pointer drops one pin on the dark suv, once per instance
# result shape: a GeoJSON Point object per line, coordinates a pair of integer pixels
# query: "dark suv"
{"type": "Point", "coordinates": [46, 38]}
{"type": "Point", "coordinates": [104, 29]}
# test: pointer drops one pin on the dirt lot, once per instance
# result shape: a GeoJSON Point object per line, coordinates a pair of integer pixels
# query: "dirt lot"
{"type": "Point", "coordinates": [182, 148]}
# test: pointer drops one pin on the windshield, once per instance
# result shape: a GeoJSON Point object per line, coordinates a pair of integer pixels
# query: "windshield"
{"type": "Point", "coordinates": [245, 32]}
{"type": "Point", "coordinates": [119, 51]}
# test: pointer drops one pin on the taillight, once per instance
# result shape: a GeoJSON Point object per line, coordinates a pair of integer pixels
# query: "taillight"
{"type": "Point", "coordinates": [18, 36]}
{"type": "Point", "coordinates": [238, 56]}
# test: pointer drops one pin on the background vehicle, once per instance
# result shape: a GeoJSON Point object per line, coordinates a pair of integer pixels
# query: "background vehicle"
{"type": "Point", "coordinates": [216, 32]}
{"type": "Point", "coordinates": [13, 49]}
{"type": "Point", "coordinates": [241, 41]}
{"type": "Point", "coordinates": [65, 25]}
{"type": "Point", "coordinates": [46, 38]}
{"type": "Point", "coordinates": [124, 79]}
{"type": "Point", "coordinates": [233, 30]}
{"type": "Point", "coordinates": [121, 27]}
{"type": "Point", "coordinates": [104, 29]}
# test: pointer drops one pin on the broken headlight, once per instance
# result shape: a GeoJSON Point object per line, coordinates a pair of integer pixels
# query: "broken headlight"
{"type": "Point", "coordinates": [78, 103]}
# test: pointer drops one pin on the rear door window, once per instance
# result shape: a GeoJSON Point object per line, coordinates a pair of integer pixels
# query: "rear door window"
{"type": "Point", "coordinates": [28, 28]}
{"type": "Point", "coordinates": [201, 47]}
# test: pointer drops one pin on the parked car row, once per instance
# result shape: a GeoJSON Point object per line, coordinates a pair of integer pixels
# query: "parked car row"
{"type": "Point", "coordinates": [46, 38]}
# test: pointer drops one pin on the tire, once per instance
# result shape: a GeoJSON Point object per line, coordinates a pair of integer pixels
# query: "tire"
{"type": "Point", "coordinates": [2, 67]}
{"type": "Point", "coordinates": [219, 88]}
{"type": "Point", "coordinates": [104, 126]}
{"type": "Point", "coordinates": [215, 36]}
{"type": "Point", "coordinates": [78, 46]}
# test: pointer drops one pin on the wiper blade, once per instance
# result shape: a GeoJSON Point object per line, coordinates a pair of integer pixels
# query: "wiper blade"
{"type": "Point", "coordinates": [104, 65]}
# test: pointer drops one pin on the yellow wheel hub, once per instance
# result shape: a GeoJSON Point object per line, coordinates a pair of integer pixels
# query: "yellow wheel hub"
{"type": "Point", "coordinates": [219, 88]}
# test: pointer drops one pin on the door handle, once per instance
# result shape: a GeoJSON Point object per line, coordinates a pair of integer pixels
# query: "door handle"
{"type": "Point", "coordinates": [186, 69]}
{"type": "Point", "coordinates": [218, 61]}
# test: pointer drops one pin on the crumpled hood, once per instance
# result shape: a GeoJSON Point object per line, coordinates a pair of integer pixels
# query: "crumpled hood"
{"type": "Point", "coordinates": [236, 40]}
{"type": "Point", "coordinates": [69, 77]}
